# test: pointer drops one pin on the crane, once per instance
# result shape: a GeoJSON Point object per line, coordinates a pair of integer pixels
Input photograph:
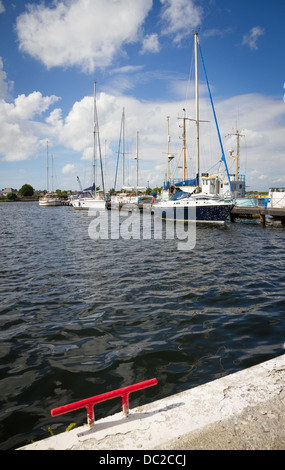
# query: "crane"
{"type": "Point", "coordinates": [79, 182]}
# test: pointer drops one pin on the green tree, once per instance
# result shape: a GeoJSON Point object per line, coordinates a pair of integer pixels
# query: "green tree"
{"type": "Point", "coordinates": [62, 194]}
{"type": "Point", "coordinates": [26, 190]}
{"type": "Point", "coordinates": [11, 197]}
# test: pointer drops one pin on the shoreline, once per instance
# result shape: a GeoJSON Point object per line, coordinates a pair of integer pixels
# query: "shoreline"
{"type": "Point", "coordinates": [240, 411]}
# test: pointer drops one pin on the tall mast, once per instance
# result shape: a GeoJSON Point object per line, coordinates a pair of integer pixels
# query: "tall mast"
{"type": "Point", "coordinates": [184, 165]}
{"type": "Point", "coordinates": [238, 135]}
{"type": "Point", "coordinates": [169, 156]}
{"type": "Point", "coordinates": [47, 170]}
{"type": "Point", "coordinates": [184, 147]}
{"type": "Point", "coordinates": [52, 173]}
{"type": "Point", "coordinates": [123, 146]}
{"type": "Point", "coordinates": [168, 140]}
{"type": "Point", "coordinates": [197, 109]}
{"type": "Point", "coordinates": [94, 142]}
{"type": "Point", "coordinates": [137, 158]}
{"type": "Point", "coordinates": [237, 161]}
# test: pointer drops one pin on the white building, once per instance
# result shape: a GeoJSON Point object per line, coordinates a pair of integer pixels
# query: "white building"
{"type": "Point", "coordinates": [6, 191]}
{"type": "Point", "coordinates": [277, 198]}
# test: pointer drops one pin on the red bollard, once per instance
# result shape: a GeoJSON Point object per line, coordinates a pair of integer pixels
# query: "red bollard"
{"type": "Point", "coordinates": [90, 402]}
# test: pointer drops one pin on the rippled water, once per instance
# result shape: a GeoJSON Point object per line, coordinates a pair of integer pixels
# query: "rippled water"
{"type": "Point", "coordinates": [80, 317]}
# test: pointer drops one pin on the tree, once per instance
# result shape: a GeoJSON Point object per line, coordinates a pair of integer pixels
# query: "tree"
{"type": "Point", "coordinates": [26, 190]}
{"type": "Point", "coordinates": [11, 197]}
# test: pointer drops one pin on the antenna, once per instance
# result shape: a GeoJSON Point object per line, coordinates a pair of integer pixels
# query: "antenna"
{"type": "Point", "coordinates": [238, 135]}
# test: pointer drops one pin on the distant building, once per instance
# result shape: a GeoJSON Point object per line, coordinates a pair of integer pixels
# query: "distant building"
{"type": "Point", "coordinates": [6, 191]}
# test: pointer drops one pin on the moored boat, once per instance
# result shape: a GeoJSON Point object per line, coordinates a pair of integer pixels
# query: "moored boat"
{"type": "Point", "coordinates": [189, 203]}
{"type": "Point", "coordinates": [91, 198]}
{"type": "Point", "coordinates": [50, 200]}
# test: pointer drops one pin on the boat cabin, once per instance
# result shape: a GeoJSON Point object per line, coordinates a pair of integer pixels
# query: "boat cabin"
{"type": "Point", "coordinates": [216, 185]}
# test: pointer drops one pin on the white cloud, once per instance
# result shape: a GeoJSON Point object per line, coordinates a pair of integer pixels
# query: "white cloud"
{"type": "Point", "coordinates": [69, 168]}
{"type": "Point", "coordinates": [214, 32]}
{"type": "Point", "coordinates": [150, 44]}
{"type": "Point", "coordinates": [83, 33]}
{"type": "Point", "coordinates": [26, 107]}
{"type": "Point", "coordinates": [252, 37]}
{"type": "Point", "coordinates": [128, 69]}
{"type": "Point", "coordinates": [262, 150]}
{"type": "Point", "coordinates": [19, 131]}
{"type": "Point", "coordinates": [75, 130]}
{"type": "Point", "coordinates": [2, 8]}
{"type": "Point", "coordinates": [180, 18]}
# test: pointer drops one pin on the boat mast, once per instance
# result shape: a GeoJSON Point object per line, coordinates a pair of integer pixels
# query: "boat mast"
{"type": "Point", "coordinates": [47, 170]}
{"type": "Point", "coordinates": [94, 142]}
{"type": "Point", "coordinates": [168, 140]}
{"type": "Point", "coordinates": [184, 146]}
{"type": "Point", "coordinates": [197, 109]}
{"type": "Point", "coordinates": [123, 146]}
{"type": "Point", "coordinates": [238, 135]}
{"type": "Point", "coordinates": [137, 159]}
{"type": "Point", "coordinates": [52, 173]}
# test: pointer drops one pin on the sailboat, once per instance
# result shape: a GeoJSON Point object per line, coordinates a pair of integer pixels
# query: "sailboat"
{"type": "Point", "coordinates": [50, 199]}
{"type": "Point", "coordinates": [88, 199]}
{"type": "Point", "coordinates": [189, 203]}
{"type": "Point", "coordinates": [129, 198]}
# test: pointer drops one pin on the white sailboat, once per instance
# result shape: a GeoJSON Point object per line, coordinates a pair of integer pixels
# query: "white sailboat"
{"type": "Point", "coordinates": [129, 198]}
{"type": "Point", "coordinates": [85, 199]}
{"type": "Point", "coordinates": [188, 202]}
{"type": "Point", "coordinates": [50, 199]}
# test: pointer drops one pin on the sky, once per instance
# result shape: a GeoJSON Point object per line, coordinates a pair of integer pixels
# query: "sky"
{"type": "Point", "coordinates": [140, 54]}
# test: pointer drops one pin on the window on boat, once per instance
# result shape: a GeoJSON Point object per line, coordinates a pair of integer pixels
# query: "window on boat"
{"type": "Point", "coordinates": [180, 195]}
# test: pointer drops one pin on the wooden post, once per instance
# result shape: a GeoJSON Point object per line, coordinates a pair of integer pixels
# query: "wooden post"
{"type": "Point", "coordinates": [262, 218]}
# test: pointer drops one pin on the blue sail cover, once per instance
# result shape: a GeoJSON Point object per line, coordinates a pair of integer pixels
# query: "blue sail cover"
{"type": "Point", "coordinates": [180, 195]}
{"type": "Point", "coordinates": [193, 182]}
{"type": "Point", "coordinates": [92, 188]}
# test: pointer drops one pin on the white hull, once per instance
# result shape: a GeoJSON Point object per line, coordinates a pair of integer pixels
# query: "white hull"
{"type": "Point", "coordinates": [50, 204]}
{"type": "Point", "coordinates": [89, 203]}
{"type": "Point", "coordinates": [50, 201]}
{"type": "Point", "coordinates": [124, 199]}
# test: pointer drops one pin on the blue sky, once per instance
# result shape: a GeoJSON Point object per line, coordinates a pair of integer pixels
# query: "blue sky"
{"type": "Point", "coordinates": [141, 55]}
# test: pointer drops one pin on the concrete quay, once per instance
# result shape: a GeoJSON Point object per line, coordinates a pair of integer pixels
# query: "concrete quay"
{"type": "Point", "coordinates": [241, 411]}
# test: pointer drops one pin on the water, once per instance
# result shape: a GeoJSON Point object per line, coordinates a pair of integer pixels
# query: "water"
{"type": "Point", "coordinates": [80, 317]}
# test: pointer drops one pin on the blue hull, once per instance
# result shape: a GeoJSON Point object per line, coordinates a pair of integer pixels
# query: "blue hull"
{"type": "Point", "coordinates": [215, 213]}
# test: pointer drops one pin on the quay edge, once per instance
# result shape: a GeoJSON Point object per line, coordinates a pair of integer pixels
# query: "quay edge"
{"type": "Point", "coordinates": [241, 411]}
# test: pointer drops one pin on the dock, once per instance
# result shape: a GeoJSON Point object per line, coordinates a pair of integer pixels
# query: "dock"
{"type": "Point", "coordinates": [240, 411]}
{"type": "Point", "coordinates": [258, 213]}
